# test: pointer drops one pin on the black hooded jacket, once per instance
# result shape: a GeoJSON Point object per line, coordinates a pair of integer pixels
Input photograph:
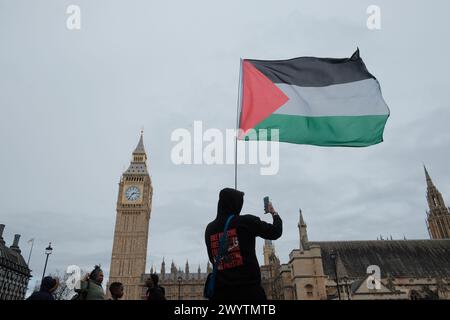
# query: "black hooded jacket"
{"type": "Point", "coordinates": [48, 283]}
{"type": "Point", "coordinates": [240, 266]}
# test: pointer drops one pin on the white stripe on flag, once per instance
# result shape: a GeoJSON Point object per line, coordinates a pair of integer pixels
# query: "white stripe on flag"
{"type": "Point", "coordinates": [359, 98]}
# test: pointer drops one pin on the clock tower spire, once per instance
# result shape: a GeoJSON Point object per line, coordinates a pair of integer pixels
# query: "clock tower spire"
{"type": "Point", "coordinates": [139, 159]}
{"type": "Point", "coordinates": [134, 205]}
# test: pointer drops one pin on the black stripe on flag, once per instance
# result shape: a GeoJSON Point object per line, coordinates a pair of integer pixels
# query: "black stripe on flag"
{"type": "Point", "coordinates": [314, 72]}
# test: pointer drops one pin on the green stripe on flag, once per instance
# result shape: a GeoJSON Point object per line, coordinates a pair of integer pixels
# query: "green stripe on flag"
{"type": "Point", "coordinates": [349, 131]}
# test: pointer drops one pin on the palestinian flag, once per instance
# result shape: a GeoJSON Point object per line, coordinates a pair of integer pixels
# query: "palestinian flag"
{"type": "Point", "coordinates": [317, 101]}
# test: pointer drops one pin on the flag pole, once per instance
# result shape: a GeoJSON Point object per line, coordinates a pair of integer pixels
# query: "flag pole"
{"type": "Point", "coordinates": [31, 250]}
{"type": "Point", "coordinates": [238, 112]}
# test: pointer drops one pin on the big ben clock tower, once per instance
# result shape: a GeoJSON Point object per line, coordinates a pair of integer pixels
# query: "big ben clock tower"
{"type": "Point", "coordinates": [134, 205]}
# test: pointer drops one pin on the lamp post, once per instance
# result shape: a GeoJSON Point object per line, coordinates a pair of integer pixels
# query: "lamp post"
{"type": "Point", "coordinates": [179, 287]}
{"type": "Point", "coordinates": [48, 251]}
{"type": "Point", "coordinates": [333, 256]}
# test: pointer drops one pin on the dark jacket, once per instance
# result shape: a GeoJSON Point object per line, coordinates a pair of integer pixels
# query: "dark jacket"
{"type": "Point", "coordinates": [239, 268]}
{"type": "Point", "coordinates": [44, 293]}
{"type": "Point", "coordinates": [41, 295]}
{"type": "Point", "coordinates": [156, 293]}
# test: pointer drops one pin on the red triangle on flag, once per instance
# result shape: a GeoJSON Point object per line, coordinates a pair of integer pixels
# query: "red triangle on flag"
{"type": "Point", "coordinates": [260, 97]}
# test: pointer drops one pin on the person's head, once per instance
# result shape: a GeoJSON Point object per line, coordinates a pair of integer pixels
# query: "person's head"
{"type": "Point", "coordinates": [230, 202]}
{"type": "Point", "coordinates": [96, 275]}
{"type": "Point", "coordinates": [152, 281]}
{"type": "Point", "coordinates": [49, 284]}
{"type": "Point", "coordinates": [116, 289]}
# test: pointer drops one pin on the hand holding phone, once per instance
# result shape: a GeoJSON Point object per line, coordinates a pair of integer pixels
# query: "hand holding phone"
{"type": "Point", "coordinates": [266, 205]}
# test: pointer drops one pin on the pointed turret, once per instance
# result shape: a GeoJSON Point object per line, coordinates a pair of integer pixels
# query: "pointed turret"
{"type": "Point", "coordinates": [302, 221]}
{"type": "Point", "coordinates": [428, 178]}
{"type": "Point", "coordinates": [140, 146]}
{"type": "Point", "coordinates": [434, 197]}
{"type": "Point", "coordinates": [438, 217]}
{"type": "Point", "coordinates": [186, 268]}
{"type": "Point", "coordinates": [303, 232]}
{"type": "Point", "coordinates": [173, 268]}
{"type": "Point", "coordinates": [163, 267]}
{"type": "Point", "coordinates": [138, 163]}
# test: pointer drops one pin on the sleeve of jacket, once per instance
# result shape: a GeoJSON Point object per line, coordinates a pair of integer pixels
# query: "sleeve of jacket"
{"type": "Point", "coordinates": [267, 230]}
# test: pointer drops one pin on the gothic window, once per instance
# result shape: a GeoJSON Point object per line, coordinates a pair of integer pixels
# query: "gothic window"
{"type": "Point", "coordinates": [309, 290]}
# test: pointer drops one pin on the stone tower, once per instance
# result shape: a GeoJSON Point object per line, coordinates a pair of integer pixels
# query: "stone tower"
{"type": "Point", "coordinates": [438, 217]}
{"type": "Point", "coordinates": [269, 251]}
{"type": "Point", "coordinates": [134, 205]}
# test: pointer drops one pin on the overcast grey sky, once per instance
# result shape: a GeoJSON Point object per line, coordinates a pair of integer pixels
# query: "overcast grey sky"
{"type": "Point", "coordinates": [73, 102]}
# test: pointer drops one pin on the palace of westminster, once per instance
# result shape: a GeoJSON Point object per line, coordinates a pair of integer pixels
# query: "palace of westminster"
{"type": "Point", "coordinates": [407, 269]}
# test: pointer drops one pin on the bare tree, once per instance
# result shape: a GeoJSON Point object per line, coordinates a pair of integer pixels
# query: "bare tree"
{"type": "Point", "coordinates": [64, 291]}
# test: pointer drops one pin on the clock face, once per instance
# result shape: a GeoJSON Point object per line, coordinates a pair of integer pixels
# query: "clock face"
{"type": "Point", "coordinates": [132, 193]}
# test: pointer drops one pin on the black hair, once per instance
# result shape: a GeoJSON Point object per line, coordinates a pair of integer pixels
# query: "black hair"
{"type": "Point", "coordinates": [48, 283]}
{"type": "Point", "coordinates": [113, 287]}
{"type": "Point", "coordinates": [94, 273]}
{"type": "Point", "coordinates": [155, 279]}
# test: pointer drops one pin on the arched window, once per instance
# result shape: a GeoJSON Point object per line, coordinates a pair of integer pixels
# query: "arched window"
{"type": "Point", "coordinates": [309, 290]}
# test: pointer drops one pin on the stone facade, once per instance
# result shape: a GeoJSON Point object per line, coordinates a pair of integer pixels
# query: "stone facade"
{"type": "Point", "coordinates": [408, 269]}
{"type": "Point", "coordinates": [134, 205]}
{"type": "Point", "coordinates": [14, 272]}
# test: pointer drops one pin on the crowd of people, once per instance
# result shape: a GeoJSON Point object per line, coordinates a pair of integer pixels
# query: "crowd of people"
{"type": "Point", "coordinates": [230, 241]}
{"type": "Point", "coordinates": [90, 288]}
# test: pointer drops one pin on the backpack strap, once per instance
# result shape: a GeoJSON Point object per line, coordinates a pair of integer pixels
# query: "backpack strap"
{"type": "Point", "coordinates": [223, 239]}
{"type": "Point", "coordinates": [220, 253]}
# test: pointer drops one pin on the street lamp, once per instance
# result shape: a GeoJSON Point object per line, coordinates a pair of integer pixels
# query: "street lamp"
{"type": "Point", "coordinates": [179, 287]}
{"type": "Point", "coordinates": [333, 257]}
{"type": "Point", "coordinates": [48, 251]}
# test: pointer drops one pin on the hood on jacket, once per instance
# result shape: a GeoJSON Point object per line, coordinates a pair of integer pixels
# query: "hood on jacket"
{"type": "Point", "coordinates": [230, 202]}
{"type": "Point", "coordinates": [48, 283]}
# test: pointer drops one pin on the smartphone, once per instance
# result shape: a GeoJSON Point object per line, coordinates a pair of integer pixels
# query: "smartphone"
{"type": "Point", "coordinates": [266, 204]}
